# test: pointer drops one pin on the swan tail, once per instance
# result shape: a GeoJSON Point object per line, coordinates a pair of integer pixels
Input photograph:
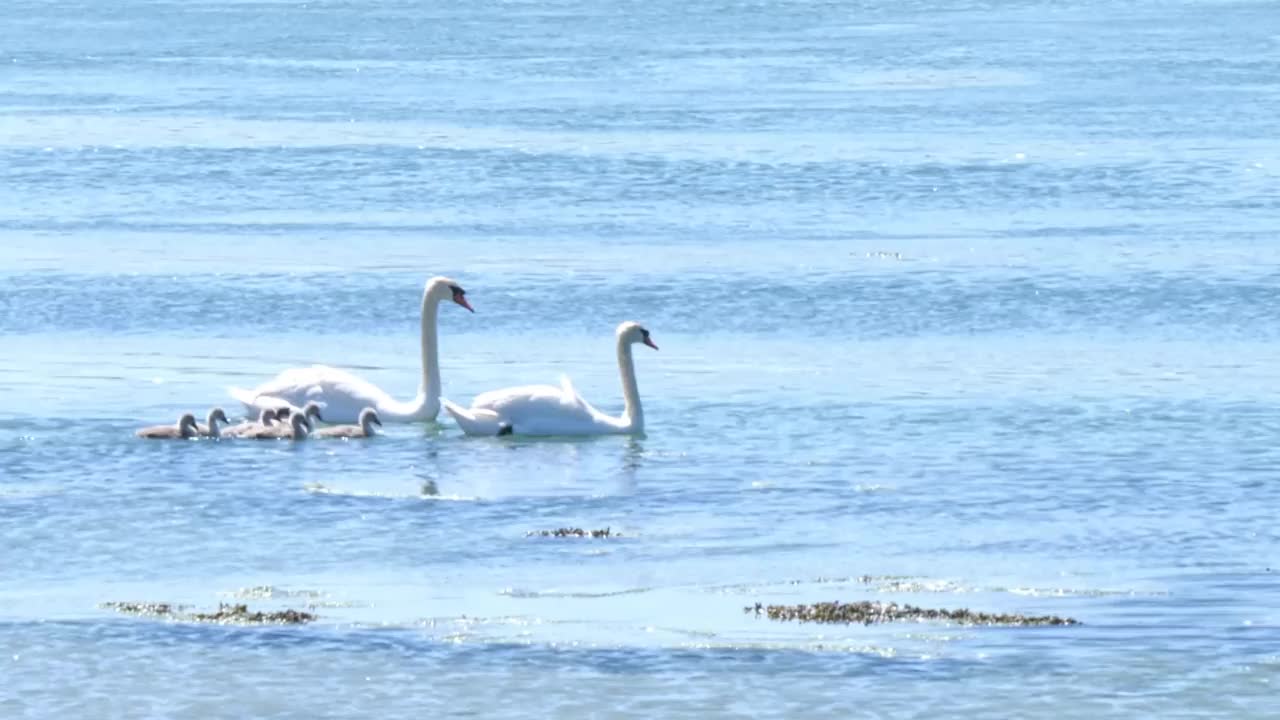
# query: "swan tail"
{"type": "Point", "coordinates": [248, 398]}
{"type": "Point", "coordinates": [475, 421]}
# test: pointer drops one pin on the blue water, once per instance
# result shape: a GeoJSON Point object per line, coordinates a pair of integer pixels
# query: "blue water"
{"type": "Point", "coordinates": [960, 304]}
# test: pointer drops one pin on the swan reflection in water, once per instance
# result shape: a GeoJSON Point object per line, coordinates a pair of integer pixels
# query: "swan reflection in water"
{"type": "Point", "coordinates": [528, 467]}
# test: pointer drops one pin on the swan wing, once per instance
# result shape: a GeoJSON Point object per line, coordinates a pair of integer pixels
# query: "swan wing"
{"type": "Point", "coordinates": [508, 399]}
{"type": "Point", "coordinates": [571, 394]}
{"type": "Point", "coordinates": [531, 410]}
{"type": "Point", "coordinates": [340, 394]}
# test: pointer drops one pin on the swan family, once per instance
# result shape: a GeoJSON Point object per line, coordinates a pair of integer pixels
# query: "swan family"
{"type": "Point", "coordinates": [289, 405]}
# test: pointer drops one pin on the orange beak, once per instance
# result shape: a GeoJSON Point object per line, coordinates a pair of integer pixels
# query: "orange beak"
{"type": "Point", "coordinates": [462, 300]}
{"type": "Point", "coordinates": [649, 342]}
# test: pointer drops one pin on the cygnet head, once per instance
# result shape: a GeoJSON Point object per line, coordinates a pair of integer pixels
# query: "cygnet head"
{"type": "Point", "coordinates": [442, 288]}
{"type": "Point", "coordinates": [187, 425]}
{"type": "Point", "coordinates": [369, 418]}
{"type": "Point", "coordinates": [217, 415]}
{"type": "Point", "coordinates": [312, 410]}
{"type": "Point", "coordinates": [634, 332]}
{"type": "Point", "coordinates": [268, 416]}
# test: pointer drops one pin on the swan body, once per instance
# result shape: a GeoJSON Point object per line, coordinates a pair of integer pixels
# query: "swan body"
{"type": "Point", "coordinates": [265, 419]}
{"type": "Point", "coordinates": [550, 410]}
{"type": "Point", "coordinates": [296, 429]}
{"type": "Point", "coordinates": [368, 418]}
{"type": "Point", "coordinates": [343, 395]}
{"type": "Point", "coordinates": [210, 429]}
{"type": "Point", "coordinates": [186, 428]}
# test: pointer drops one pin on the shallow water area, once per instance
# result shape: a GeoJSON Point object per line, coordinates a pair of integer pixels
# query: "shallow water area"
{"type": "Point", "coordinates": [960, 306]}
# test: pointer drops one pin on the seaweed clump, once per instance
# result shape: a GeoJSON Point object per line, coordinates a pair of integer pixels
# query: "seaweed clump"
{"type": "Point", "coordinates": [573, 532]}
{"type": "Point", "coordinates": [239, 613]}
{"type": "Point", "coordinates": [226, 614]}
{"type": "Point", "coordinates": [869, 613]}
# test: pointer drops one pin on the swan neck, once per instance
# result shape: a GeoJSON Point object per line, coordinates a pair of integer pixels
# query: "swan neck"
{"type": "Point", "coordinates": [430, 387]}
{"type": "Point", "coordinates": [634, 413]}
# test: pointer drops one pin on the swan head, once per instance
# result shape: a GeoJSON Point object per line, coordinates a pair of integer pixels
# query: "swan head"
{"type": "Point", "coordinates": [369, 418]}
{"type": "Point", "coordinates": [301, 428]}
{"type": "Point", "coordinates": [634, 332]}
{"type": "Point", "coordinates": [267, 416]}
{"type": "Point", "coordinates": [218, 415]}
{"type": "Point", "coordinates": [443, 288]}
{"type": "Point", "coordinates": [187, 425]}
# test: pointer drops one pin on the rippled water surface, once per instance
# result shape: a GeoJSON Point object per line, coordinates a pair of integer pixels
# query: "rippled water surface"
{"type": "Point", "coordinates": [960, 305]}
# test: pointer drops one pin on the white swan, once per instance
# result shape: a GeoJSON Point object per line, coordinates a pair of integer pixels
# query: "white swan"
{"type": "Point", "coordinates": [550, 410]}
{"type": "Point", "coordinates": [343, 395]}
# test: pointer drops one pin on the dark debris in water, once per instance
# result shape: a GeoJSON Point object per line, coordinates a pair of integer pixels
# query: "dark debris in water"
{"type": "Point", "coordinates": [867, 613]}
{"type": "Point", "coordinates": [240, 614]}
{"type": "Point", "coordinates": [573, 532]}
{"type": "Point", "coordinates": [226, 614]}
{"type": "Point", "coordinates": [132, 608]}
